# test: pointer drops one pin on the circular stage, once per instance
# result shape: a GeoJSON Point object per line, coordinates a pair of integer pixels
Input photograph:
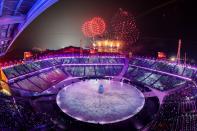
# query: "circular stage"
{"type": "Point", "coordinates": [100, 101]}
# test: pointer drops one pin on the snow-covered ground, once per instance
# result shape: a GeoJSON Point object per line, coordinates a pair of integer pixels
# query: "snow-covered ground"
{"type": "Point", "coordinates": [82, 101]}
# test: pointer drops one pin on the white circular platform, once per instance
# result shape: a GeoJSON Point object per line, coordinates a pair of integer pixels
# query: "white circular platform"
{"type": "Point", "coordinates": [118, 102]}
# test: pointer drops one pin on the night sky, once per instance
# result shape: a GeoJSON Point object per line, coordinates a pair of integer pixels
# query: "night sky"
{"type": "Point", "coordinates": [161, 24]}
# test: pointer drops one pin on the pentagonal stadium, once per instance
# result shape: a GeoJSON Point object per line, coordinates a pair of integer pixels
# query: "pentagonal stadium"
{"type": "Point", "coordinates": [102, 85]}
{"type": "Point", "coordinates": [99, 91]}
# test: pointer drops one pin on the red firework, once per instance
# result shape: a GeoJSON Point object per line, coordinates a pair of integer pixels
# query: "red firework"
{"type": "Point", "coordinates": [98, 25]}
{"type": "Point", "coordinates": [87, 30]}
{"type": "Point", "coordinates": [94, 27]}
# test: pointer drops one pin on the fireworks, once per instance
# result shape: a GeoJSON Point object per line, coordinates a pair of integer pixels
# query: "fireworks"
{"type": "Point", "coordinates": [98, 25]}
{"type": "Point", "coordinates": [123, 27]}
{"type": "Point", "coordinates": [87, 31]}
{"type": "Point", "coordinates": [94, 27]}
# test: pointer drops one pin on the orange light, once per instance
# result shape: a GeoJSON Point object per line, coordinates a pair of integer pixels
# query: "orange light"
{"type": "Point", "coordinates": [108, 45]}
{"type": "Point", "coordinates": [99, 43]}
{"type": "Point", "coordinates": [111, 44]}
{"type": "Point", "coordinates": [27, 55]}
{"type": "Point", "coordinates": [173, 58]}
{"type": "Point", "coordinates": [161, 55]}
{"type": "Point", "coordinates": [93, 45]}
{"type": "Point", "coordinates": [118, 44]}
{"type": "Point", "coordinates": [106, 42]}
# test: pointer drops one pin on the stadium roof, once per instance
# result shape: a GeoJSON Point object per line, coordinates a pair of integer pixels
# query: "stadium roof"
{"type": "Point", "coordinates": [15, 16]}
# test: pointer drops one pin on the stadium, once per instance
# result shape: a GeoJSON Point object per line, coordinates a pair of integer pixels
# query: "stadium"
{"type": "Point", "coordinates": [93, 91]}
{"type": "Point", "coordinates": [167, 88]}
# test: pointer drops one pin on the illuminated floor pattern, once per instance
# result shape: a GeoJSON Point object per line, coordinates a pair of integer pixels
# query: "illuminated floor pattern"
{"type": "Point", "coordinates": [118, 102]}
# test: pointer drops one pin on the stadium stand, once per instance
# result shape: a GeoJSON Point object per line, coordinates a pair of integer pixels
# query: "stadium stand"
{"type": "Point", "coordinates": [176, 112]}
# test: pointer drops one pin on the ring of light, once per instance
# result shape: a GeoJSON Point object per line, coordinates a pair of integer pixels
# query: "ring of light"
{"type": "Point", "coordinates": [82, 101]}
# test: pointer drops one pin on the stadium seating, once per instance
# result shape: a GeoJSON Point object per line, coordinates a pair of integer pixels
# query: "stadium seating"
{"type": "Point", "coordinates": [17, 113]}
{"type": "Point", "coordinates": [165, 66]}
{"type": "Point", "coordinates": [176, 112]}
{"type": "Point", "coordinates": [77, 67]}
{"type": "Point", "coordinates": [153, 79]}
{"type": "Point", "coordinates": [42, 74]}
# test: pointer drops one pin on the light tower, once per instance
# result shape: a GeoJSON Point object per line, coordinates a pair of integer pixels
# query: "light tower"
{"type": "Point", "coordinates": [178, 57]}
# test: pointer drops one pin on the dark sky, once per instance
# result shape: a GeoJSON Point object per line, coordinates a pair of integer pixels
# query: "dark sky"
{"type": "Point", "coordinates": [160, 24]}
